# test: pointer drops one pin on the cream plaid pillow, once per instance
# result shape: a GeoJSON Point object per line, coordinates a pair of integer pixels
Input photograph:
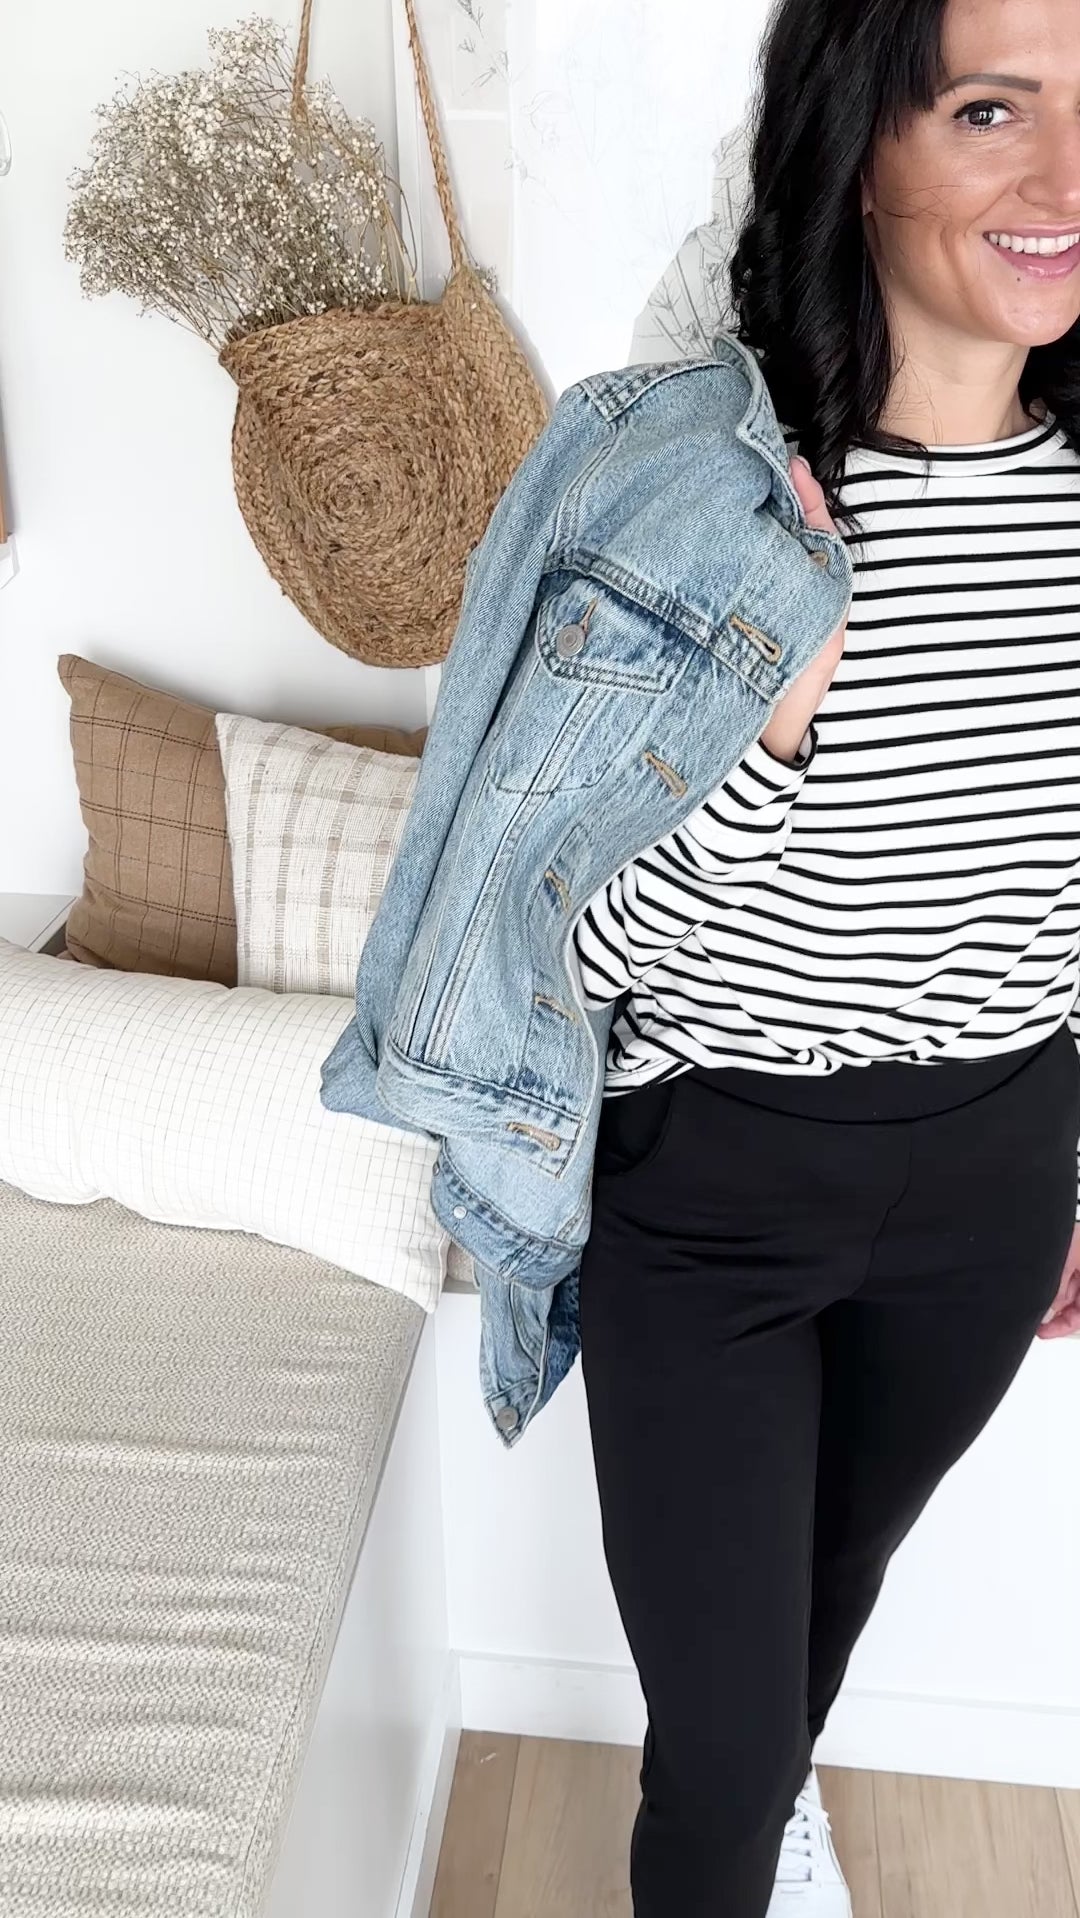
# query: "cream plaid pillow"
{"type": "Point", "coordinates": [313, 829]}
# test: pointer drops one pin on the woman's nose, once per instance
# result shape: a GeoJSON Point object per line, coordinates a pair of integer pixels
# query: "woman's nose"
{"type": "Point", "coordinates": [1053, 184]}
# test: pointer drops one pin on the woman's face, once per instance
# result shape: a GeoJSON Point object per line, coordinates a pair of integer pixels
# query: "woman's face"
{"type": "Point", "coordinates": [998, 154]}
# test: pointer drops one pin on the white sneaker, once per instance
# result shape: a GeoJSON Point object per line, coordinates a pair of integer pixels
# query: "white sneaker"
{"type": "Point", "coordinates": [809, 1881]}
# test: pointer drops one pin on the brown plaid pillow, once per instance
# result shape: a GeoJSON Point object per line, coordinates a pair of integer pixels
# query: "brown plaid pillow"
{"type": "Point", "coordinates": [157, 893]}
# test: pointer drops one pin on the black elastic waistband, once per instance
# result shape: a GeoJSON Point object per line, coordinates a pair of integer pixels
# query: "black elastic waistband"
{"type": "Point", "coordinates": [886, 1089]}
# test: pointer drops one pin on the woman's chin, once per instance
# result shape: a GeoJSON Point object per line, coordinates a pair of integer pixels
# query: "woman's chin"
{"type": "Point", "coordinates": [1036, 322]}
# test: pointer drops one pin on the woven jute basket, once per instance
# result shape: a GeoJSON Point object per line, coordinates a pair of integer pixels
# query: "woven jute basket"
{"type": "Point", "coordinates": [370, 445]}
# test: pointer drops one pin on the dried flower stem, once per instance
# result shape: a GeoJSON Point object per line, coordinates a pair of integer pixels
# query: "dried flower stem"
{"type": "Point", "coordinates": [210, 199]}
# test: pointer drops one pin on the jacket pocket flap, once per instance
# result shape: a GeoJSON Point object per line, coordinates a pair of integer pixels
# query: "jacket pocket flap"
{"type": "Point", "coordinates": [586, 630]}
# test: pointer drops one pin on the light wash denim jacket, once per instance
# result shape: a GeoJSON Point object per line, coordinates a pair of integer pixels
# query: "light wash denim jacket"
{"type": "Point", "coordinates": [646, 590]}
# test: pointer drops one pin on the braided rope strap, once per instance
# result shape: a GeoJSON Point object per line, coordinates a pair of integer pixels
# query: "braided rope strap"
{"type": "Point", "coordinates": [371, 444]}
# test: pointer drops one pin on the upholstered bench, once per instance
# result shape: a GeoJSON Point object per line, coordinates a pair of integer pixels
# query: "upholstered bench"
{"type": "Point", "coordinates": [192, 1429]}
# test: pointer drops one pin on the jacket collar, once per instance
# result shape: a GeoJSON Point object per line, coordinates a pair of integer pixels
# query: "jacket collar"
{"type": "Point", "coordinates": [613, 390]}
{"type": "Point", "coordinates": [759, 427]}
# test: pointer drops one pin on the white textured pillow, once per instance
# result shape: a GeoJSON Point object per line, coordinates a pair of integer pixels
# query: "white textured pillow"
{"type": "Point", "coordinates": [198, 1104]}
{"type": "Point", "coordinates": [314, 825]}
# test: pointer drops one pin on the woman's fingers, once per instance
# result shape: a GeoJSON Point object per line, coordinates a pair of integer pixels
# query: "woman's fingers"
{"type": "Point", "coordinates": [812, 500]}
{"type": "Point", "coordinates": [811, 496]}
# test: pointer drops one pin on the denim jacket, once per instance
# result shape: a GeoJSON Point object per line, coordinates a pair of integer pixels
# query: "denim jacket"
{"type": "Point", "coordinates": [646, 590]}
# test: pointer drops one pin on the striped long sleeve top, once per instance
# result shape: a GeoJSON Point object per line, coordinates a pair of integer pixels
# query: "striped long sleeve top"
{"type": "Point", "coordinates": [910, 887]}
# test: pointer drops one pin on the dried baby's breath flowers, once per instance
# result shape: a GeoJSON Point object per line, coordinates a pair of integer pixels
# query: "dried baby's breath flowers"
{"type": "Point", "coordinates": [209, 199]}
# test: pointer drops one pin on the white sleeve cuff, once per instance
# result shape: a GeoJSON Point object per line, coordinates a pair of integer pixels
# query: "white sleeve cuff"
{"type": "Point", "coordinates": [789, 772]}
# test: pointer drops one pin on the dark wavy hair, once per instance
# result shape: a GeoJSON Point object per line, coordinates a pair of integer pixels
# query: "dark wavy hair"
{"type": "Point", "coordinates": [833, 75]}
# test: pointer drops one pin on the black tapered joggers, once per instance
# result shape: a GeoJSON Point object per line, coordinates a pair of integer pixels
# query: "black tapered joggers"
{"type": "Point", "coordinates": [800, 1302]}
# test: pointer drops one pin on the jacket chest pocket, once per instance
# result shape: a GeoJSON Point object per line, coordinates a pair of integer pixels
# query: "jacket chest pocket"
{"type": "Point", "coordinates": [587, 678]}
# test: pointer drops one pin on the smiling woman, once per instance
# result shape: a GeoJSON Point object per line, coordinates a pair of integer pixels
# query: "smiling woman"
{"type": "Point", "coordinates": [918, 159]}
{"type": "Point", "coordinates": [865, 942]}
{"type": "Point", "coordinates": [973, 211]}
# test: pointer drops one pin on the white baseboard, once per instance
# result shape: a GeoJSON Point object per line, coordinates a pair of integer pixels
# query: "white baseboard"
{"type": "Point", "coordinates": [1010, 1744]}
{"type": "Point", "coordinates": [875, 1731]}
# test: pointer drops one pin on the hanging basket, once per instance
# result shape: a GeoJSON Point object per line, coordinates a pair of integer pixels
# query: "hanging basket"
{"type": "Point", "coordinates": [371, 445]}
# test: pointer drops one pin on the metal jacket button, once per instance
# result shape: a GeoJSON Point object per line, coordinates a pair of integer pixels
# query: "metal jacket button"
{"type": "Point", "coordinates": [819, 558]}
{"type": "Point", "coordinates": [506, 1419]}
{"type": "Point", "coordinates": [569, 640]}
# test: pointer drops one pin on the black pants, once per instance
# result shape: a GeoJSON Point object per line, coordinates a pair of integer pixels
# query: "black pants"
{"type": "Point", "coordinates": [793, 1322]}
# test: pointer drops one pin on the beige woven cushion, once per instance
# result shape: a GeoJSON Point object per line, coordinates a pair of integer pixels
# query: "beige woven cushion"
{"type": "Point", "coordinates": [192, 1425]}
{"type": "Point", "coordinates": [157, 893]}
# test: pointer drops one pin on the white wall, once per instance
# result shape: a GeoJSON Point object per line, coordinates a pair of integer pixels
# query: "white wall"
{"type": "Point", "coordinates": [116, 427]}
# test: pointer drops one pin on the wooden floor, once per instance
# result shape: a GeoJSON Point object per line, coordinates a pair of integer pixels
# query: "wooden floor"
{"type": "Point", "coordinates": [539, 1828]}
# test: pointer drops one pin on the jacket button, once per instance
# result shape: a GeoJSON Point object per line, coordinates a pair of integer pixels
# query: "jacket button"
{"type": "Point", "coordinates": [569, 640]}
{"type": "Point", "coordinates": [819, 558]}
{"type": "Point", "coordinates": [459, 1212]}
{"type": "Point", "coordinates": [506, 1419]}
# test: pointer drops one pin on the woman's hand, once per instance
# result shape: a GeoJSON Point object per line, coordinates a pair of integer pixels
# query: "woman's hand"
{"type": "Point", "coordinates": [790, 718]}
{"type": "Point", "coordinates": [1063, 1319]}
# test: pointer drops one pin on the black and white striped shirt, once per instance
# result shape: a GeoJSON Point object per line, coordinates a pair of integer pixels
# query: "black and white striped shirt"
{"type": "Point", "coordinates": [910, 889]}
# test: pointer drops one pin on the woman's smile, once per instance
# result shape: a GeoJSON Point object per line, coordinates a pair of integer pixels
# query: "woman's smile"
{"type": "Point", "coordinates": [1039, 256]}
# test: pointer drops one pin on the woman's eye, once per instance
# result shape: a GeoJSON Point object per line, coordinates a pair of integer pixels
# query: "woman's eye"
{"type": "Point", "coordinates": [982, 107]}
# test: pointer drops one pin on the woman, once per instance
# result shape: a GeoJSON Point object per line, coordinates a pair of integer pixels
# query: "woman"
{"type": "Point", "coordinates": [835, 1183]}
